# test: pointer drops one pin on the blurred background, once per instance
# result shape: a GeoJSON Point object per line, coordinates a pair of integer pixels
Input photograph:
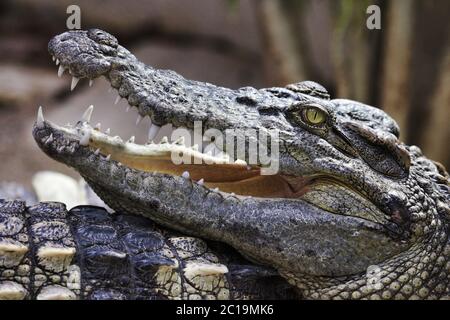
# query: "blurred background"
{"type": "Point", "coordinates": [404, 68]}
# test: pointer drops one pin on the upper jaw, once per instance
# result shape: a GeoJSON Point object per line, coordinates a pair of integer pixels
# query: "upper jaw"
{"type": "Point", "coordinates": [162, 95]}
{"type": "Point", "coordinates": [81, 56]}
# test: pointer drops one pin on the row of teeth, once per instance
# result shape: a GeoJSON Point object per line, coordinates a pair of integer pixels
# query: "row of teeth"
{"type": "Point", "coordinates": [85, 132]}
{"type": "Point", "coordinates": [153, 129]}
{"type": "Point", "coordinates": [75, 80]}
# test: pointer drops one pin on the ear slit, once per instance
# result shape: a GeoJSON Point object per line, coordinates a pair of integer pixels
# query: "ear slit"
{"type": "Point", "coordinates": [379, 149]}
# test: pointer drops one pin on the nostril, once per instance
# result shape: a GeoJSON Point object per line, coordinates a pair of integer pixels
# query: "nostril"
{"type": "Point", "coordinates": [102, 37]}
{"type": "Point", "coordinates": [64, 37]}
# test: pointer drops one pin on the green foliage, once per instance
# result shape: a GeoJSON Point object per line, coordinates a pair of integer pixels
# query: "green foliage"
{"type": "Point", "coordinates": [351, 13]}
{"type": "Point", "coordinates": [232, 5]}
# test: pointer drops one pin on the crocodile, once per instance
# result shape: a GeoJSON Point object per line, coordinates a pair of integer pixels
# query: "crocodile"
{"type": "Point", "coordinates": [351, 212]}
{"type": "Point", "coordinates": [50, 253]}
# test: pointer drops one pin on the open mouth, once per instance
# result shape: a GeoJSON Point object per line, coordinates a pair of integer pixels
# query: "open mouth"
{"type": "Point", "coordinates": [215, 171]}
{"type": "Point", "coordinates": [207, 165]}
{"type": "Point", "coordinates": [211, 168]}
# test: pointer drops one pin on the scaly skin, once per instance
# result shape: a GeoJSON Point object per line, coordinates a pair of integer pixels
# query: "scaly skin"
{"type": "Point", "coordinates": [361, 215]}
{"type": "Point", "coordinates": [48, 253]}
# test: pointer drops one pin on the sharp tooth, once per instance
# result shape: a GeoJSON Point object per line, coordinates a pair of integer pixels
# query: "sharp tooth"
{"type": "Point", "coordinates": [201, 181]}
{"type": "Point", "coordinates": [117, 99]}
{"type": "Point", "coordinates": [53, 58]}
{"type": "Point", "coordinates": [98, 126]}
{"type": "Point", "coordinates": [87, 114]}
{"type": "Point", "coordinates": [108, 131]}
{"type": "Point", "coordinates": [153, 131]}
{"type": "Point", "coordinates": [97, 152]}
{"type": "Point", "coordinates": [180, 141]}
{"type": "Point", "coordinates": [60, 71]}
{"type": "Point", "coordinates": [57, 61]}
{"type": "Point", "coordinates": [242, 162]}
{"type": "Point", "coordinates": [164, 140]}
{"type": "Point", "coordinates": [139, 119]}
{"type": "Point", "coordinates": [131, 140]}
{"type": "Point", "coordinates": [108, 157]}
{"type": "Point", "coordinates": [185, 175]}
{"type": "Point", "coordinates": [50, 139]}
{"type": "Point", "coordinates": [74, 83]}
{"type": "Point", "coordinates": [85, 136]}
{"type": "Point", "coordinates": [91, 82]}
{"type": "Point", "coordinates": [40, 118]}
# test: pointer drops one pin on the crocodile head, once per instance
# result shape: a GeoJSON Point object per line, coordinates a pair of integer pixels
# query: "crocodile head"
{"type": "Point", "coordinates": [345, 194]}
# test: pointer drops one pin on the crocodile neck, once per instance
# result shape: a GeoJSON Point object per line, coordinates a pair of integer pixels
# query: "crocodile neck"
{"type": "Point", "coordinates": [420, 273]}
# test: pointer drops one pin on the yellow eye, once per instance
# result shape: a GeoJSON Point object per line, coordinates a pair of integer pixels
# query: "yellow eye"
{"type": "Point", "coordinates": [314, 116]}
